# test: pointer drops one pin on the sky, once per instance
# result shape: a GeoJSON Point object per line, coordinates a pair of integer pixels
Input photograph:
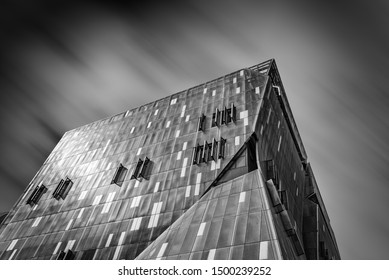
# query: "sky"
{"type": "Point", "coordinates": [65, 64]}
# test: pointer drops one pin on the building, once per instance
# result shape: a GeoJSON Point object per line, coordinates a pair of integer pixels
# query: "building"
{"type": "Point", "coordinates": [217, 171]}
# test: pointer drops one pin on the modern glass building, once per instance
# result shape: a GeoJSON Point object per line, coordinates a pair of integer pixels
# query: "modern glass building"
{"type": "Point", "coordinates": [217, 171]}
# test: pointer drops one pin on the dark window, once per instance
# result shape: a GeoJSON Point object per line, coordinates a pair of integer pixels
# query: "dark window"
{"type": "Point", "coordinates": [145, 168]}
{"type": "Point", "coordinates": [271, 171]}
{"type": "Point", "coordinates": [321, 249]}
{"type": "Point", "coordinates": [119, 176]}
{"type": "Point", "coordinates": [142, 169]}
{"type": "Point", "coordinates": [284, 198]}
{"type": "Point", "coordinates": [63, 189]}
{"type": "Point", "coordinates": [214, 150]}
{"type": "Point", "coordinates": [221, 148]}
{"type": "Point", "coordinates": [216, 117]}
{"type": "Point", "coordinates": [137, 169]}
{"type": "Point", "coordinates": [69, 255]}
{"type": "Point", "coordinates": [207, 151]}
{"type": "Point", "coordinates": [225, 116]}
{"type": "Point", "coordinates": [201, 125]}
{"type": "Point", "coordinates": [36, 195]}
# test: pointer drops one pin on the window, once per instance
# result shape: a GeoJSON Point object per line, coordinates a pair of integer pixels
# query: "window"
{"type": "Point", "coordinates": [221, 148]}
{"type": "Point", "coordinates": [224, 117]}
{"type": "Point", "coordinates": [284, 198]}
{"type": "Point", "coordinates": [69, 255]}
{"type": "Point", "coordinates": [36, 195]}
{"type": "Point", "coordinates": [119, 176]}
{"type": "Point", "coordinates": [209, 151]}
{"type": "Point", "coordinates": [201, 124]}
{"type": "Point", "coordinates": [271, 171]}
{"type": "Point", "coordinates": [63, 189]}
{"type": "Point", "coordinates": [142, 169]}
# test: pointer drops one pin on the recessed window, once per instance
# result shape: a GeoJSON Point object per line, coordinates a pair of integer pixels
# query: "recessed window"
{"type": "Point", "coordinates": [69, 255]}
{"type": "Point", "coordinates": [36, 195]}
{"type": "Point", "coordinates": [119, 176]}
{"type": "Point", "coordinates": [201, 124]}
{"type": "Point", "coordinates": [224, 117]}
{"type": "Point", "coordinates": [63, 189]}
{"type": "Point", "coordinates": [142, 169]}
{"type": "Point", "coordinates": [209, 151]}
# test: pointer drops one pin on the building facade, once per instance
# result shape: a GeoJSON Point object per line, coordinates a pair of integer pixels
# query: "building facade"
{"type": "Point", "coordinates": [217, 171]}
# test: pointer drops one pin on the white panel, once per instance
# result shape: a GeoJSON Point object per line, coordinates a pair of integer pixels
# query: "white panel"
{"type": "Point", "coordinates": [82, 195]}
{"type": "Point", "coordinates": [167, 124]}
{"type": "Point", "coordinates": [205, 90]}
{"type": "Point", "coordinates": [162, 250]}
{"type": "Point", "coordinates": [138, 223]}
{"type": "Point", "coordinates": [279, 144]}
{"type": "Point", "coordinates": [80, 214]}
{"type": "Point", "coordinates": [268, 116]}
{"type": "Point", "coordinates": [218, 163]}
{"type": "Point", "coordinates": [237, 140]}
{"type": "Point", "coordinates": [106, 207]}
{"type": "Point", "coordinates": [156, 112]}
{"type": "Point", "coordinates": [197, 189]}
{"type": "Point", "coordinates": [34, 207]}
{"type": "Point", "coordinates": [211, 254]}
{"type": "Point", "coordinates": [133, 202]}
{"type": "Point", "coordinates": [213, 165]}
{"type": "Point", "coordinates": [213, 92]}
{"type": "Point", "coordinates": [297, 191]}
{"type": "Point", "coordinates": [242, 197]}
{"type": "Point", "coordinates": [156, 187]}
{"type": "Point", "coordinates": [132, 129]}
{"type": "Point", "coordinates": [13, 254]}
{"type": "Point", "coordinates": [179, 155]}
{"type": "Point", "coordinates": [198, 178]}
{"type": "Point", "coordinates": [244, 114]}
{"type": "Point", "coordinates": [187, 191]}
{"type": "Point", "coordinates": [109, 240]}
{"type": "Point", "coordinates": [187, 118]}
{"type": "Point", "coordinates": [238, 90]}
{"type": "Point", "coordinates": [151, 221]}
{"type": "Point", "coordinates": [184, 146]}
{"type": "Point", "coordinates": [177, 133]}
{"type": "Point", "coordinates": [183, 167]}
{"type": "Point", "coordinates": [36, 222]}
{"type": "Point", "coordinates": [201, 229]}
{"type": "Point", "coordinates": [261, 129]}
{"type": "Point", "coordinates": [139, 151]}
{"type": "Point", "coordinates": [111, 195]}
{"type": "Point", "coordinates": [156, 218]}
{"type": "Point", "coordinates": [121, 239]}
{"type": "Point", "coordinates": [70, 244]}
{"type": "Point", "coordinates": [278, 125]}
{"type": "Point", "coordinates": [257, 90]}
{"type": "Point", "coordinates": [183, 111]}
{"type": "Point", "coordinates": [69, 224]}
{"type": "Point", "coordinates": [136, 184]}
{"type": "Point", "coordinates": [241, 72]}
{"type": "Point", "coordinates": [149, 124]}
{"type": "Point", "coordinates": [117, 252]}
{"type": "Point", "coordinates": [173, 101]}
{"type": "Point", "coordinates": [263, 250]}
{"type": "Point", "coordinates": [234, 80]}
{"type": "Point", "coordinates": [154, 210]}
{"type": "Point", "coordinates": [246, 121]}
{"type": "Point", "coordinates": [159, 207]}
{"type": "Point", "coordinates": [12, 245]}
{"type": "Point", "coordinates": [57, 248]}
{"type": "Point", "coordinates": [97, 200]}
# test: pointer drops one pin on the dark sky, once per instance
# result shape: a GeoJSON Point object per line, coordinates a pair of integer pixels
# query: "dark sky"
{"type": "Point", "coordinates": [64, 64]}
